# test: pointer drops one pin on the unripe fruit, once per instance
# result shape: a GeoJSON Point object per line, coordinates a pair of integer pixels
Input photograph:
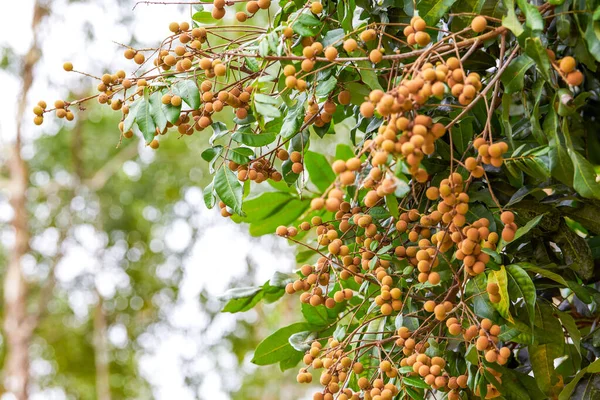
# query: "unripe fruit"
{"type": "Point", "coordinates": [479, 24]}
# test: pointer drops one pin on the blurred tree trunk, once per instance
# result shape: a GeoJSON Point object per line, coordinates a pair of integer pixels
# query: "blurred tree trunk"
{"type": "Point", "coordinates": [17, 329]}
{"type": "Point", "coordinates": [101, 355]}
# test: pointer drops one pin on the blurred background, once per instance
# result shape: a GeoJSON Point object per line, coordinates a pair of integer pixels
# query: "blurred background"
{"type": "Point", "coordinates": [111, 265]}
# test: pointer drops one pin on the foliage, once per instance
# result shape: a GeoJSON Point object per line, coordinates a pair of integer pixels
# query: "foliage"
{"type": "Point", "coordinates": [452, 244]}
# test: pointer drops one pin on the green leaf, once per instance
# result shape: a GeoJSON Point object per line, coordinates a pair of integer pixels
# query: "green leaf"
{"type": "Point", "coordinates": [293, 119]}
{"type": "Point", "coordinates": [476, 290]}
{"type": "Point", "coordinates": [325, 87]}
{"type": "Point", "coordinates": [433, 10]}
{"type": "Point", "coordinates": [569, 323]}
{"type": "Point", "coordinates": [522, 231]}
{"type": "Point", "coordinates": [340, 333]}
{"type": "Point", "coordinates": [510, 20]}
{"type": "Point", "coordinates": [533, 18]}
{"type": "Point", "coordinates": [593, 368]}
{"type": "Point", "coordinates": [276, 347]}
{"type": "Point", "coordinates": [499, 277]}
{"type": "Point", "coordinates": [241, 299]}
{"type": "Point", "coordinates": [189, 92]}
{"type": "Point", "coordinates": [546, 273]}
{"type": "Point", "coordinates": [415, 382]}
{"type": "Point", "coordinates": [266, 106]}
{"type": "Point", "coordinates": [315, 315]}
{"type": "Point", "coordinates": [542, 363]}
{"type": "Point", "coordinates": [229, 189]}
{"type": "Point", "coordinates": [301, 341]}
{"type": "Point", "coordinates": [250, 138]}
{"type": "Point", "coordinates": [306, 25]}
{"type": "Point", "coordinates": [203, 17]}
{"type": "Point", "coordinates": [209, 196]}
{"type": "Point", "coordinates": [584, 180]}
{"type": "Point", "coordinates": [333, 37]}
{"type": "Point", "coordinates": [319, 170]}
{"type": "Point", "coordinates": [368, 76]}
{"type": "Point", "coordinates": [240, 155]}
{"type": "Point", "coordinates": [130, 119]}
{"type": "Point", "coordinates": [537, 51]}
{"type": "Point", "coordinates": [512, 78]}
{"type": "Point", "coordinates": [144, 120]}
{"type": "Point", "coordinates": [462, 134]}
{"type": "Point", "coordinates": [520, 285]}
{"type": "Point", "coordinates": [156, 110]}
{"type": "Point", "coordinates": [391, 201]}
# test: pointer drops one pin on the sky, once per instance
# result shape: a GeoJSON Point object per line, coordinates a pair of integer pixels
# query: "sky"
{"type": "Point", "coordinates": [65, 39]}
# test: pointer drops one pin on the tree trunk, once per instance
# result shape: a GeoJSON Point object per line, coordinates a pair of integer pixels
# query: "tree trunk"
{"type": "Point", "coordinates": [16, 329]}
{"type": "Point", "coordinates": [101, 352]}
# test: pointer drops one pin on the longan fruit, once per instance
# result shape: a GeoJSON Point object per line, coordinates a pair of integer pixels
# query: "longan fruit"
{"type": "Point", "coordinates": [375, 56]}
{"type": "Point", "coordinates": [479, 24]}
{"type": "Point", "coordinates": [176, 101]}
{"type": "Point", "coordinates": [575, 78]}
{"type": "Point", "coordinates": [567, 64]}
{"type": "Point", "coordinates": [367, 110]}
{"type": "Point", "coordinates": [344, 97]}
{"type": "Point", "coordinates": [288, 32]}
{"type": "Point", "coordinates": [174, 27]}
{"type": "Point", "coordinates": [218, 13]}
{"type": "Point", "coordinates": [507, 217]}
{"type": "Point", "coordinates": [139, 58]}
{"type": "Point", "coordinates": [281, 230]}
{"type": "Point", "coordinates": [297, 167]}
{"type": "Point", "coordinates": [220, 69]}
{"type": "Point", "coordinates": [455, 329]}
{"type": "Point", "coordinates": [368, 35]}
{"type": "Point", "coordinates": [307, 65]}
{"type": "Point", "coordinates": [331, 53]}
{"type": "Point", "coordinates": [419, 25]}
{"type": "Point", "coordinates": [289, 70]}
{"type": "Point", "coordinates": [38, 120]}
{"type": "Point", "coordinates": [68, 66]}
{"type": "Point", "coordinates": [350, 45]}
{"type": "Point", "coordinates": [486, 324]}
{"type": "Point", "coordinates": [422, 38]}
{"type": "Point", "coordinates": [154, 144]}
{"type": "Point", "coordinates": [316, 7]}
{"type": "Point", "coordinates": [482, 343]}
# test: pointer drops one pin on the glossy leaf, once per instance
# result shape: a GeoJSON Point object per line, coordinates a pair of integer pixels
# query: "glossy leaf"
{"type": "Point", "coordinates": [229, 189]}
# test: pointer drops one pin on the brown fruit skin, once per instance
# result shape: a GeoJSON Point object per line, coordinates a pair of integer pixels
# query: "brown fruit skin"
{"type": "Point", "coordinates": [422, 38]}
{"type": "Point", "coordinates": [252, 7]}
{"type": "Point", "coordinates": [375, 56]}
{"type": "Point", "coordinates": [154, 144]}
{"type": "Point", "coordinates": [344, 97]}
{"type": "Point", "coordinates": [139, 58]}
{"type": "Point", "coordinates": [507, 217]}
{"type": "Point", "coordinates": [575, 78]}
{"type": "Point", "coordinates": [241, 16]}
{"type": "Point", "coordinates": [264, 4]}
{"type": "Point", "coordinates": [350, 45]}
{"type": "Point", "coordinates": [331, 53]}
{"type": "Point", "coordinates": [479, 24]}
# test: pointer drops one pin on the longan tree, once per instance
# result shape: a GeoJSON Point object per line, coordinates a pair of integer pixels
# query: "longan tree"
{"type": "Point", "coordinates": [450, 248]}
